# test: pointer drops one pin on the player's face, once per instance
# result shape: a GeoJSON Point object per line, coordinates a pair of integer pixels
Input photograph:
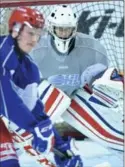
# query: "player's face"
{"type": "Point", "coordinates": [28, 38]}
{"type": "Point", "coordinates": [64, 33]}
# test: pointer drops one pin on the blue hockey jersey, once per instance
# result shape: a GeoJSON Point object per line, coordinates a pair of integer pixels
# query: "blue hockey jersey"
{"type": "Point", "coordinates": [19, 78]}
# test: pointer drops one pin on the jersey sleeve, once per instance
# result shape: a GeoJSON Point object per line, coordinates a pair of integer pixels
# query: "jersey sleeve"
{"type": "Point", "coordinates": [101, 62]}
{"type": "Point", "coordinates": [101, 54]}
{"type": "Point", "coordinates": [11, 105]}
{"type": "Point", "coordinates": [94, 62]}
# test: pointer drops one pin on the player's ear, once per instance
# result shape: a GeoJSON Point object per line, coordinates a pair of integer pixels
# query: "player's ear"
{"type": "Point", "coordinates": [14, 34]}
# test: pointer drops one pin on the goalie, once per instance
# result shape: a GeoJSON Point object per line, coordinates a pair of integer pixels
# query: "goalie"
{"type": "Point", "coordinates": [19, 101]}
{"type": "Point", "coordinates": [77, 59]}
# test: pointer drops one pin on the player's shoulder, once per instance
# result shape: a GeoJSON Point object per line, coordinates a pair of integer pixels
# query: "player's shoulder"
{"type": "Point", "coordinates": [2, 37]}
{"type": "Point", "coordinates": [88, 41]}
{"type": "Point", "coordinates": [6, 40]}
{"type": "Point", "coordinates": [7, 53]}
{"type": "Point", "coordinates": [84, 40]}
{"type": "Point", "coordinates": [82, 36]}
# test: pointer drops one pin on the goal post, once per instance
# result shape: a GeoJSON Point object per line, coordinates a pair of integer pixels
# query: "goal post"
{"type": "Point", "coordinates": [103, 19]}
{"type": "Point", "coordinates": [12, 3]}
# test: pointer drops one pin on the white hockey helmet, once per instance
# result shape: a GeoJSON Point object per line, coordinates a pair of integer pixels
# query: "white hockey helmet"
{"type": "Point", "coordinates": [62, 18]}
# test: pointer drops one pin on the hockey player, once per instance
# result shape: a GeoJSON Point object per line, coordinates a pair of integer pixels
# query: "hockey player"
{"type": "Point", "coordinates": [77, 59]}
{"type": "Point", "coordinates": [19, 78]}
{"type": "Point", "coordinates": [25, 26]}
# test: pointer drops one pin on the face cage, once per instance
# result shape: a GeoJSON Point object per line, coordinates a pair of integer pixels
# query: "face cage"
{"type": "Point", "coordinates": [51, 30]}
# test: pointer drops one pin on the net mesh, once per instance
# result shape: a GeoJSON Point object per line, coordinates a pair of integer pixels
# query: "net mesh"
{"type": "Point", "coordinates": [103, 20]}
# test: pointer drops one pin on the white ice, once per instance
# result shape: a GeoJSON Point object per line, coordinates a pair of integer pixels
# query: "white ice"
{"type": "Point", "coordinates": [92, 154]}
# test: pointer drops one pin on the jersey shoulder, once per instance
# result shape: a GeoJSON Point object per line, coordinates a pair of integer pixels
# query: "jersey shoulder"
{"type": "Point", "coordinates": [2, 38]}
{"type": "Point", "coordinates": [8, 57]}
{"type": "Point", "coordinates": [88, 41]}
{"type": "Point", "coordinates": [6, 40]}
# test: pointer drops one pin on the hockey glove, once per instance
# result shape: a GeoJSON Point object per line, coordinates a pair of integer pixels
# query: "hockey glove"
{"type": "Point", "coordinates": [74, 161]}
{"type": "Point", "coordinates": [68, 148]}
{"type": "Point", "coordinates": [43, 140]}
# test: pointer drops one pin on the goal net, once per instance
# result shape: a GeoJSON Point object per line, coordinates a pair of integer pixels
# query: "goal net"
{"type": "Point", "coordinates": [102, 19]}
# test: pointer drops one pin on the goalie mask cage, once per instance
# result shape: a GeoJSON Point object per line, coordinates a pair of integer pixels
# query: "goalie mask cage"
{"type": "Point", "coordinates": [102, 19]}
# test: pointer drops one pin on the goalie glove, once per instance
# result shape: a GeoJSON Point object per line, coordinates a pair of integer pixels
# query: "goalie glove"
{"type": "Point", "coordinates": [43, 140]}
{"type": "Point", "coordinates": [111, 83]}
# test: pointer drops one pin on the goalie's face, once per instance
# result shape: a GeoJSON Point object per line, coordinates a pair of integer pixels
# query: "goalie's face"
{"type": "Point", "coordinates": [28, 37]}
{"type": "Point", "coordinates": [64, 32]}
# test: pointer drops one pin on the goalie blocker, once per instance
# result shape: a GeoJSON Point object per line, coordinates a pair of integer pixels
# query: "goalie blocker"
{"type": "Point", "coordinates": [98, 114]}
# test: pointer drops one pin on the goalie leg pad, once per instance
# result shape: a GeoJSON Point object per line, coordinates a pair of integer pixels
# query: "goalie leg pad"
{"type": "Point", "coordinates": [54, 100]}
{"type": "Point", "coordinates": [95, 120]}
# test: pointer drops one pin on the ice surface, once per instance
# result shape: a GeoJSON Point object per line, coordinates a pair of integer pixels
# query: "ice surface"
{"type": "Point", "coordinates": [92, 154]}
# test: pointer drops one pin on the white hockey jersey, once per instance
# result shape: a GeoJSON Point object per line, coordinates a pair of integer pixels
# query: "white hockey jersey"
{"type": "Point", "coordinates": [73, 70]}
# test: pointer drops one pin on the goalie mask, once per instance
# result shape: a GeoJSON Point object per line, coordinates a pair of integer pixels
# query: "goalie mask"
{"type": "Point", "coordinates": [62, 25]}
